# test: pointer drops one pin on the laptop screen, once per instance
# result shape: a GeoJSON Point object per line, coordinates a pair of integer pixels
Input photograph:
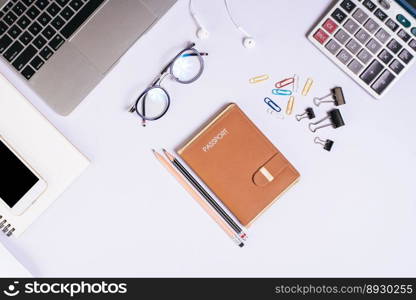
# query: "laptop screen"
{"type": "Point", "coordinates": [409, 5]}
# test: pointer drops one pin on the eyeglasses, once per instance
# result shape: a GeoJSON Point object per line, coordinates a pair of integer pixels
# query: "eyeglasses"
{"type": "Point", "coordinates": [186, 67]}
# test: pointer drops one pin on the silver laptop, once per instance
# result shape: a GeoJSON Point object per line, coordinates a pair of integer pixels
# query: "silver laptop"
{"type": "Point", "coordinates": [63, 48]}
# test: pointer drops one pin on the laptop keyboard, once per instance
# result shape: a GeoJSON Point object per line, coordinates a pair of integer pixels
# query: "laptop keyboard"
{"type": "Point", "coordinates": [31, 31]}
{"type": "Point", "coordinates": [370, 43]}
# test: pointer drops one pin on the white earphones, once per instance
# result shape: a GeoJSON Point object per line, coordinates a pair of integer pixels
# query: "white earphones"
{"type": "Point", "coordinates": [202, 33]}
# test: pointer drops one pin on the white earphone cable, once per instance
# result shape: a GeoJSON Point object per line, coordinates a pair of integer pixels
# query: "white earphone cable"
{"type": "Point", "coordinates": [230, 16]}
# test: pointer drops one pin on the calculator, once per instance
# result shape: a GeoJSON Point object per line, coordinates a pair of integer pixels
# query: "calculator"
{"type": "Point", "coordinates": [374, 42]}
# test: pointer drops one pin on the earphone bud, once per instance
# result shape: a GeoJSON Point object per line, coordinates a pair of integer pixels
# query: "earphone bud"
{"type": "Point", "coordinates": [249, 42]}
{"type": "Point", "coordinates": [202, 33]}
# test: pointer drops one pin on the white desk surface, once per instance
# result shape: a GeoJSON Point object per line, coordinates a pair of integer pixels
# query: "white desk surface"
{"type": "Point", "coordinates": [352, 214]}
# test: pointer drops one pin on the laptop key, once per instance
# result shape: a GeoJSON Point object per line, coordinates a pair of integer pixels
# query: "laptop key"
{"type": "Point", "coordinates": [76, 4]}
{"type": "Point", "coordinates": [41, 4]}
{"type": "Point", "coordinates": [39, 42]}
{"type": "Point", "coordinates": [10, 18]}
{"type": "Point", "coordinates": [35, 28]}
{"type": "Point", "coordinates": [385, 56]}
{"type": "Point", "coordinates": [405, 56]}
{"type": "Point", "coordinates": [24, 57]}
{"type": "Point", "coordinates": [62, 2]}
{"type": "Point", "coordinates": [3, 27]}
{"type": "Point", "coordinates": [26, 38]}
{"type": "Point", "coordinates": [83, 14]}
{"type": "Point", "coordinates": [19, 9]}
{"type": "Point", "coordinates": [48, 32]}
{"type": "Point", "coordinates": [33, 12]}
{"type": "Point", "coordinates": [28, 72]}
{"type": "Point", "coordinates": [5, 42]}
{"type": "Point", "coordinates": [371, 72]}
{"type": "Point", "coordinates": [13, 51]}
{"type": "Point", "coordinates": [56, 42]}
{"type": "Point", "coordinates": [44, 19]}
{"type": "Point", "coordinates": [53, 9]}
{"type": "Point", "coordinates": [58, 22]}
{"type": "Point", "coordinates": [67, 13]}
{"type": "Point", "coordinates": [14, 31]}
{"type": "Point", "coordinates": [396, 66]}
{"type": "Point", "coordinates": [46, 53]}
{"type": "Point", "coordinates": [37, 63]}
{"type": "Point", "coordinates": [23, 22]}
{"type": "Point", "coordinates": [28, 2]}
{"type": "Point", "coordinates": [383, 82]}
{"type": "Point", "coordinates": [394, 46]}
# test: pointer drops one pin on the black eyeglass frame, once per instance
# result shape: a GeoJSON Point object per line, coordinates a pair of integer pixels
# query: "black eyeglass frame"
{"type": "Point", "coordinates": [156, 83]}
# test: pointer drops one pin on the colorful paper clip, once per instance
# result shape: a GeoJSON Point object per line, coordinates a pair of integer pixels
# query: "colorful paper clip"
{"type": "Point", "coordinates": [290, 104]}
{"type": "Point", "coordinates": [307, 87]}
{"type": "Point", "coordinates": [272, 104]}
{"type": "Point", "coordinates": [259, 78]}
{"type": "Point", "coordinates": [280, 92]}
{"type": "Point", "coordinates": [285, 82]}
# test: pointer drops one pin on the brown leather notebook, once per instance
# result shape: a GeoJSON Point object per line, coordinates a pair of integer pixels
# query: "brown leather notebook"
{"type": "Point", "coordinates": [239, 164]}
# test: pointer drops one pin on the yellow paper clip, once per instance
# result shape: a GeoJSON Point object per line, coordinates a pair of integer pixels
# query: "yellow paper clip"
{"type": "Point", "coordinates": [259, 78]}
{"type": "Point", "coordinates": [290, 105]}
{"type": "Point", "coordinates": [307, 87]}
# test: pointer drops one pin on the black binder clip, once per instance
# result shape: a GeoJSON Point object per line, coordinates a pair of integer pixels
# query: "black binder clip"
{"type": "Point", "coordinates": [337, 98]}
{"type": "Point", "coordinates": [326, 143]}
{"type": "Point", "coordinates": [309, 113]}
{"type": "Point", "coordinates": [334, 117]}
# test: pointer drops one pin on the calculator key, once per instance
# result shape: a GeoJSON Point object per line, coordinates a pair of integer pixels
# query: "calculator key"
{"type": "Point", "coordinates": [394, 46]}
{"type": "Point", "coordinates": [355, 66]}
{"type": "Point", "coordinates": [28, 72]}
{"type": "Point", "coordinates": [330, 26]}
{"type": "Point", "coordinates": [360, 16]}
{"type": "Point", "coordinates": [370, 5]}
{"type": "Point", "coordinates": [353, 46]}
{"type": "Point", "coordinates": [383, 82]}
{"type": "Point", "coordinates": [5, 42]}
{"type": "Point", "coordinates": [24, 57]}
{"type": "Point", "coordinates": [380, 14]}
{"type": "Point", "coordinates": [402, 20]}
{"type": "Point", "coordinates": [364, 56]}
{"type": "Point", "coordinates": [321, 36]}
{"type": "Point", "coordinates": [37, 62]}
{"type": "Point", "coordinates": [362, 36]}
{"type": "Point", "coordinates": [403, 35]}
{"type": "Point", "coordinates": [392, 25]}
{"type": "Point", "coordinates": [405, 56]}
{"type": "Point", "coordinates": [333, 46]}
{"type": "Point", "coordinates": [348, 5]}
{"type": "Point", "coordinates": [351, 26]}
{"type": "Point", "coordinates": [344, 56]}
{"type": "Point", "coordinates": [371, 26]}
{"type": "Point", "coordinates": [342, 37]}
{"type": "Point", "coordinates": [33, 12]}
{"type": "Point", "coordinates": [412, 44]}
{"type": "Point", "coordinates": [26, 38]}
{"type": "Point", "coordinates": [13, 51]}
{"type": "Point", "coordinates": [339, 15]}
{"type": "Point", "coordinates": [385, 56]}
{"type": "Point", "coordinates": [372, 72]}
{"type": "Point", "coordinates": [413, 31]}
{"type": "Point", "coordinates": [383, 36]}
{"type": "Point", "coordinates": [396, 66]}
{"type": "Point", "coordinates": [373, 46]}
{"type": "Point", "coordinates": [46, 53]}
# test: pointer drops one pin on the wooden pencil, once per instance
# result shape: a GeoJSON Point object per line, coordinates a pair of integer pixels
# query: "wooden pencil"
{"type": "Point", "coordinates": [197, 197]}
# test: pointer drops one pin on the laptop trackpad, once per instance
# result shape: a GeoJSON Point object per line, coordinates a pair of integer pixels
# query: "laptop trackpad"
{"type": "Point", "coordinates": [112, 31]}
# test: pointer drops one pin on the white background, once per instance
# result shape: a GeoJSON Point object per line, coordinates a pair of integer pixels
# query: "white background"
{"type": "Point", "coordinates": [352, 214]}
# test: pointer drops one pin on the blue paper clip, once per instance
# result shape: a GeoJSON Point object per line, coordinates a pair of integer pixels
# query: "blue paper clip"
{"type": "Point", "coordinates": [272, 104]}
{"type": "Point", "coordinates": [281, 92]}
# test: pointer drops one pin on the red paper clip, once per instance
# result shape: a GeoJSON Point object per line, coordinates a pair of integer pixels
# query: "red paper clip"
{"type": "Point", "coordinates": [284, 82]}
